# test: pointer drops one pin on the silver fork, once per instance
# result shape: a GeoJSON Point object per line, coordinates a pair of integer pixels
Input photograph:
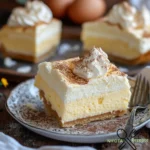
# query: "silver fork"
{"type": "Point", "coordinates": [139, 100]}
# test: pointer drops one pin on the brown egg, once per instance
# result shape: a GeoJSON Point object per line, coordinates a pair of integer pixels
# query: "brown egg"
{"type": "Point", "coordinates": [86, 10]}
{"type": "Point", "coordinates": [58, 7]}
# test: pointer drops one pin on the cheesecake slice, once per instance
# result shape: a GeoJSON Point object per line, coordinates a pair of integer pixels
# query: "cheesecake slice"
{"type": "Point", "coordinates": [124, 34]}
{"type": "Point", "coordinates": [31, 34]}
{"type": "Point", "coordinates": [81, 90]}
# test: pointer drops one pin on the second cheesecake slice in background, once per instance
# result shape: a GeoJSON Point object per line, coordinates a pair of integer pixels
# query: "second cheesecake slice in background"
{"type": "Point", "coordinates": [31, 34]}
{"type": "Point", "coordinates": [124, 34]}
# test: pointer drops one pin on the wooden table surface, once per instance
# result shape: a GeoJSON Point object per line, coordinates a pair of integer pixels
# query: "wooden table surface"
{"type": "Point", "coordinates": [27, 138]}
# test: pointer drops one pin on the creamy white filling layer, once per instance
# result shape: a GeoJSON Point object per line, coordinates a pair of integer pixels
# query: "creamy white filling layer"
{"type": "Point", "coordinates": [90, 106]}
{"type": "Point", "coordinates": [22, 37]}
{"type": "Point", "coordinates": [133, 38]}
{"type": "Point", "coordinates": [32, 51]}
{"type": "Point", "coordinates": [70, 92]}
{"type": "Point", "coordinates": [44, 32]}
{"type": "Point", "coordinates": [47, 35]}
{"type": "Point", "coordinates": [85, 107]}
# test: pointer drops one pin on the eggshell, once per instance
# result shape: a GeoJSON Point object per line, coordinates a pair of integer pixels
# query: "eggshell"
{"type": "Point", "coordinates": [86, 10]}
{"type": "Point", "coordinates": [59, 7]}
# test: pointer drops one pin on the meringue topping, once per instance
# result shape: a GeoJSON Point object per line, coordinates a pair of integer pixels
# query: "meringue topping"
{"type": "Point", "coordinates": [128, 17]}
{"type": "Point", "coordinates": [34, 12]}
{"type": "Point", "coordinates": [95, 64]}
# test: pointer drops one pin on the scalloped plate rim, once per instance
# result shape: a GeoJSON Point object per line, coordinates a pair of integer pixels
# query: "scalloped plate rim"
{"type": "Point", "coordinates": [61, 136]}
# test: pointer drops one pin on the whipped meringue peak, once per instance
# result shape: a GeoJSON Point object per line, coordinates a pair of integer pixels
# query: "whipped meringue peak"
{"type": "Point", "coordinates": [33, 12]}
{"type": "Point", "coordinates": [93, 65]}
{"type": "Point", "coordinates": [128, 17]}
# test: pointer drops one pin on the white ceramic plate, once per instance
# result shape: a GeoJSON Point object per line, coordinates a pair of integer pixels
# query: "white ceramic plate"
{"type": "Point", "coordinates": [25, 106]}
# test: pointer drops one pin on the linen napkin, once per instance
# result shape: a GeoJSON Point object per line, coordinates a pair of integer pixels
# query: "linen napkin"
{"type": "Point", "coordinates": [8, 143]}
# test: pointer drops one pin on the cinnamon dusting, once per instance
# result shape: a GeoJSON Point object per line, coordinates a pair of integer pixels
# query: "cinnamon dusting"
{"type": "Point", "coordinates": [66, 68]}
{"type": "Point", "coordinates": [112, 24]}
{"type": "Point", "coordinates": [24, 28]}
{"type": "Point", "coordinates": [114, 70]}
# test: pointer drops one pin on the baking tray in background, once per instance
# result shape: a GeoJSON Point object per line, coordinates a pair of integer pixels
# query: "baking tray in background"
{"type": "Point", "coordinates": [18, 71]}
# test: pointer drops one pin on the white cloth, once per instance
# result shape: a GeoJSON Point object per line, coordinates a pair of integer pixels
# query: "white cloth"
{"type": "Point", "coordinates": [8, 143]}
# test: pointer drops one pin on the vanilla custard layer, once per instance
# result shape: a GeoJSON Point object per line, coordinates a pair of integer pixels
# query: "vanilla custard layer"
{"type": "Point", "coordinates": [84, 107]}
{"type": "Point", "coordinates": [114, 40]}
{"type": "Point", "coordinates": [112, 47]}
{"type": "Point", "coordinates": [20, 46]}
{"type": "Point", "coordinates": [33, 41]}
{"type": "Point", "coordinates": [46, 45]}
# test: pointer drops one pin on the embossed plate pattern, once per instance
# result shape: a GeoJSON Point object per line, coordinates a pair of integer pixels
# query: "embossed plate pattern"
{"type": "Point", "coordinates": [25, 106]}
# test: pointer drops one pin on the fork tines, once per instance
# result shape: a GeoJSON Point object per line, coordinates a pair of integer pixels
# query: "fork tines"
{"type": "Point", "coordinates": [140, 92]}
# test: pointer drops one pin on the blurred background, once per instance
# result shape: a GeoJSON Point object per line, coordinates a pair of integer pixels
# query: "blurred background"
{"type": "Point", "coordinates": [72, 12]}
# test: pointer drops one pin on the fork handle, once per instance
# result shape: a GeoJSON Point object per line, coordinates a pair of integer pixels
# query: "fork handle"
{"type": "Point", "coordinates": [129, 128]}
{"type": "Point", "coordinates": [127, 142]}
